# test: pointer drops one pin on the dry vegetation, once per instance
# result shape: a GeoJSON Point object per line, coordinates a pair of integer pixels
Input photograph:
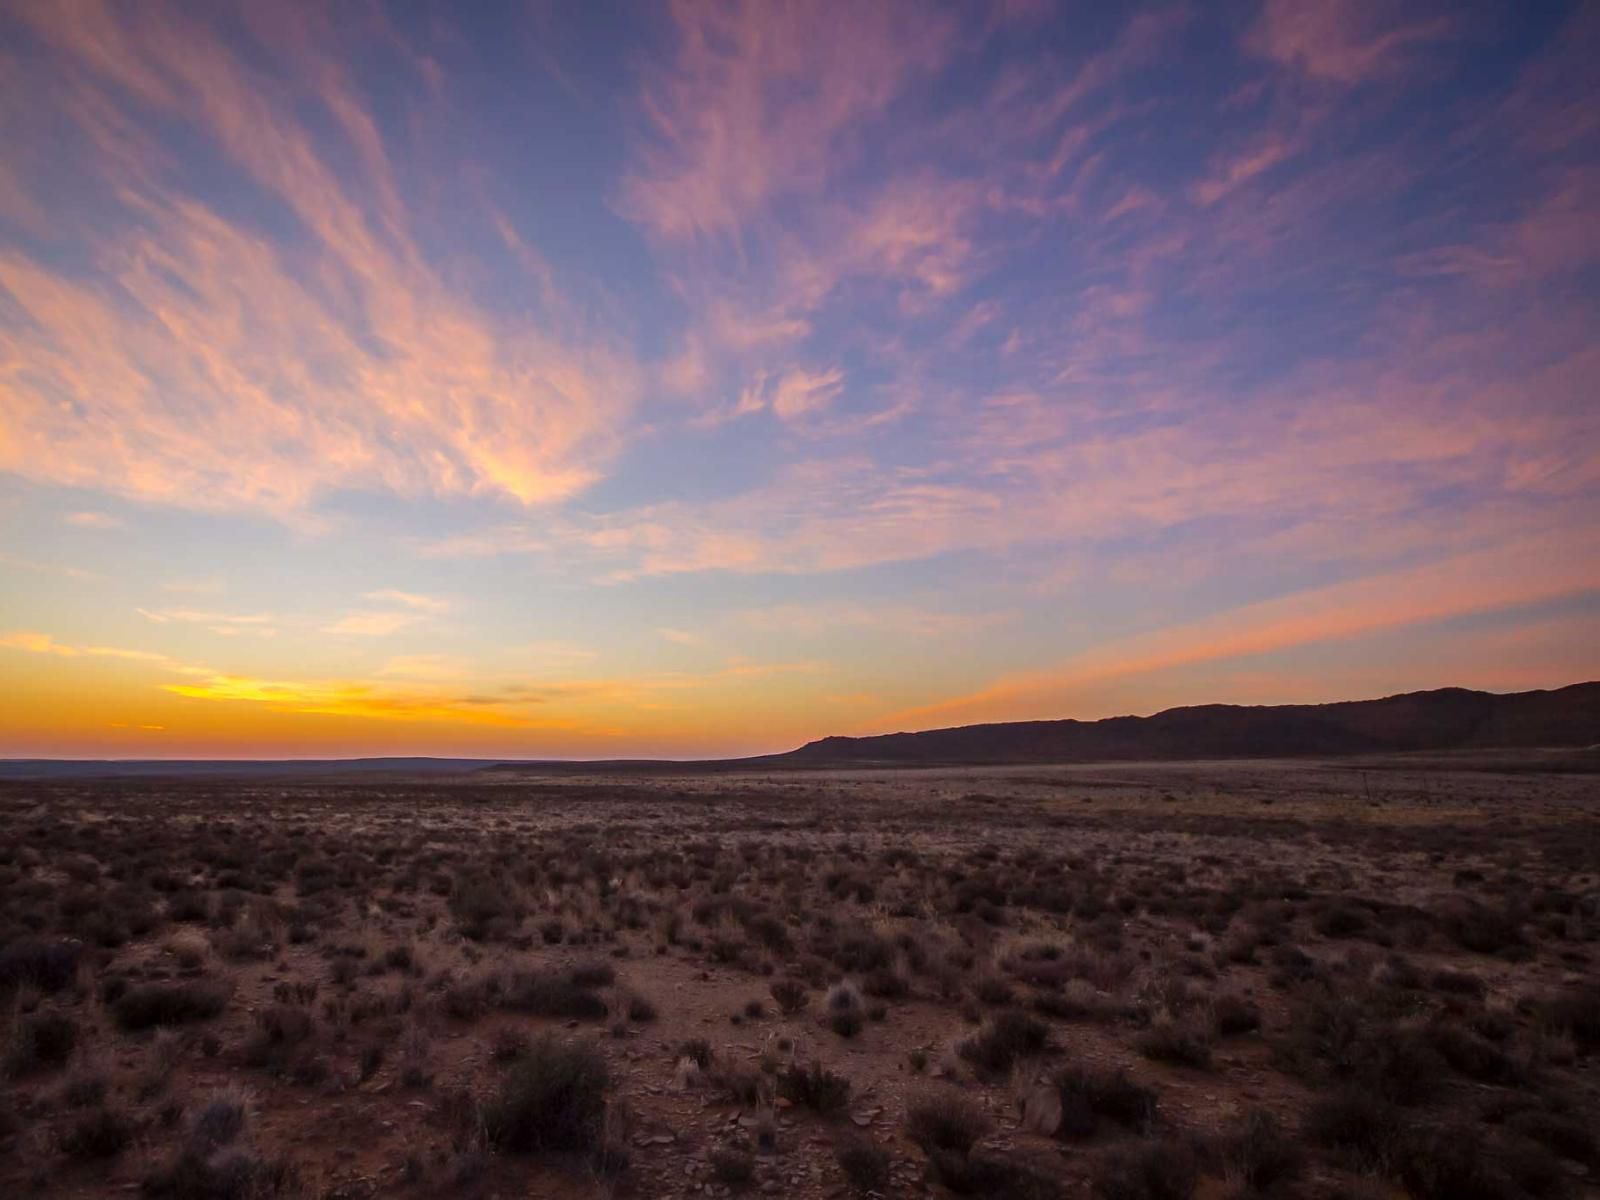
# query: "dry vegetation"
{"type": "Point", "coordinates": [1128, 982]}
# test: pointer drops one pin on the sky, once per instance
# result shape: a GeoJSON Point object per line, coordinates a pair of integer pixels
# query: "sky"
{"type": "Point", "coordinates": [553, 380]}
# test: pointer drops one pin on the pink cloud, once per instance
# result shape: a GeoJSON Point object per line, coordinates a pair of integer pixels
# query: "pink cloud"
{"type": "Point", "coordinates": [1503, 577]}
{"type": "Point", "coordinates": [760, 102]}
{"type": "Point", "coordinates": [1235, 171]}
{"type": "Point", "coordinates": [882, 619]}
{"type": "Point", "coordinates": [755, 140]}
{"type": "Point", "coordinates": [93, 520]}
{"type": "Point", "coordinates": [203, 366]}
{"type": "Point", "coordinates": [1341, 41]}
{"type": "Point", "coordinates": [794, 394]}
{"type": "Point", "coordinates": [1332, 460]}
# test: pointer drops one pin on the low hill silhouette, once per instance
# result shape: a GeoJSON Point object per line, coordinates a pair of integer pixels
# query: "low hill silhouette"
{"type": "Point", "coordinates": [1446, 719]}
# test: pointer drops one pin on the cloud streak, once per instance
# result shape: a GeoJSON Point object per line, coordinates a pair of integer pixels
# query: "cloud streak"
{"type": "Point", "coordinates": [196, 361]}
{"type": "Point", "coordinates": [1343, 41]}
{"type": "Point", "coordinates": [43, 643]}
{"type": "Point", "coordinates": [371, 624]}
{"type": "Point", "coordinates": [760, 101]}
{"type": "Point", "coordinates": [1502, 578]}
{"type": "Point", "coordinates": [413, 600]}
{"type": "Point", "coordinates": [357, 699]}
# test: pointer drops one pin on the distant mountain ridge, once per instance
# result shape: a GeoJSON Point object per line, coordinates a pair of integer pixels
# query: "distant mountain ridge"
{"type": "Point", "coordinates": [1446, 719]}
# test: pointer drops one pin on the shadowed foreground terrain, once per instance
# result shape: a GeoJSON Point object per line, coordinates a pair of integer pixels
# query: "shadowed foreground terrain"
{"type": "Point", "coordinates": [1359, 978]}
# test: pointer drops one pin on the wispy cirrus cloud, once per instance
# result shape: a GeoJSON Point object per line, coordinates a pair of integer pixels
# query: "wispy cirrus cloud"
{"type": "Point", "coordinates": [894, 619]}
{"type": "Point", "coordinates": [431, 667]}
{"type": "Point", "coordinates": [817, 516]}
{"type": "Point", "coordinates": [792, 395]}
{"type": "Point", "coordinates": [1234, 170]}
{"type": "Point", "coordinates": [225, 624]}
{"type": "Point", "coordinates": [1275, 461]}
{"type": "Point", "coordinates": [760, 102]}
{"type": "Point", "coordinates": [192, 359]}
{"type": "Point", "coordinates": [21, 563]}
{"type": "Point", "coordinates": [406, 610]}
{"type": "Point", "coordinates": [91, 519]}
{"type": "Point", "coordinates": [553, 648]}
{"type": "Point", "coordinates": [415, 601]}
{"type": "Point", "coordinates": [1345, 41]}
{"type": "Point", "coordinates": [205, 616]}
{"type": "Point", "coordinates": [681, 637]}
{"type": "Point", "coordinates": [372, 624]}
{"type": "Point", "coordinates": [211, 586]}
{"type": "Point", "coordinates": [43, 643]}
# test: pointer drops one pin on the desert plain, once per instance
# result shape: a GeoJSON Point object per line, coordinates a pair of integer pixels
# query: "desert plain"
{"type": "Point", "coordinates": [1361, 977]}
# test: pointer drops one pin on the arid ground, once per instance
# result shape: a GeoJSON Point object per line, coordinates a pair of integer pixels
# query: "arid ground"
{"type": "Point", "coordinates": [1351, 978]}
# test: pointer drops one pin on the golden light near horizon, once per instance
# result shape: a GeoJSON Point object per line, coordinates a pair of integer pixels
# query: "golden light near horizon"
{"type": "Point", "coordinates": [703, 379]}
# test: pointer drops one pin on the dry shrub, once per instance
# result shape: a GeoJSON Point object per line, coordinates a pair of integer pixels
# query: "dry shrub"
{"type": "Point", "coordinates": [864, 1163]}
{"type": "Point", "coordinates": [40, 1041]}
{"type": "Point", "coordinates": [147, 1005]}
{"type": "Point", "coordinates": [944, 1119]}
{"type": "Point", "coordinates": [1156, 1170]}
{"type": "Point", "coordinates": [553, 1098]}
{"type": "Point", "coordinates": [1005, 1038]}
{"type": "Point", "coordinates": [1090, 1094]}
{"type": "Point", "coordinates": [814, 1087]}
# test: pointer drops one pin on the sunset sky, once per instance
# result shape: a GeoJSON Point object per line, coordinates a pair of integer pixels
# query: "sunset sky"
{"type": "Point", "coordinates": [597, 380]}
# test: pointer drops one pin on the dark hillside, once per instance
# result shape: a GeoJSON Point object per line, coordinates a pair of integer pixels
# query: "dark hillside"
{"type": "Point", "coordinates": [1447, 719]}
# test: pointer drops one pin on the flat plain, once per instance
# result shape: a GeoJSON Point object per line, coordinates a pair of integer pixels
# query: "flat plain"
{"type": "Point", "coordinates": [1344, 978]}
